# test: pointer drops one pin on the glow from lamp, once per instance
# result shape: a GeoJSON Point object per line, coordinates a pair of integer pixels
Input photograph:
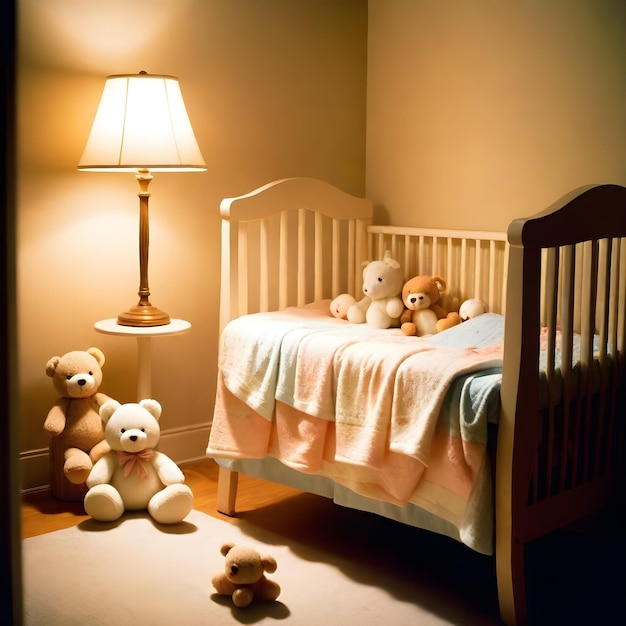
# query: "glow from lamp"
{"type": "Point", "coordinates": [142, 126]}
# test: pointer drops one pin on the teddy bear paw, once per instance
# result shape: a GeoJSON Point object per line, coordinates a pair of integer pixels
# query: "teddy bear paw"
{"type": "Point", "coordinates": [104, 503]}
{"type": "Point", "coordinates": [171, 505]}
{"type": "Point", "coordinates": [242, 597]}
{"type": "Point", "coordinates": [409, 329]}
{"type": "Point", "coordinates": [77, 467]}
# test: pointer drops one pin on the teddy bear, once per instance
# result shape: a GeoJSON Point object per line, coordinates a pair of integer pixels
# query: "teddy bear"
{"type": "Point", "coordinates": [243, 577]}
{"type": "Point", "coordinates": [135, 476]}
{"type": "Point", "coordinates": [424, 315]}
{"type": "Point", "coordinates": [339, 306]}
{"type": "Point", "coordinates": [471, 308]}
{"type": "Point", "coordinates": [381, 305]}
{"type": "Point", "coordinates": [73, 423]}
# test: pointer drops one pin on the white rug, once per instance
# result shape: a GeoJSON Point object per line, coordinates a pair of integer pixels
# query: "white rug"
{"type": "Point", "coordinates": [137, 572]}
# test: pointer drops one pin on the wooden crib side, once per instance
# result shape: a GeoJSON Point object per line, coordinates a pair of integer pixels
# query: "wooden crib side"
{"type": "Point", "coordinates": [561, 434]}
{"type": "Point", "coordinates": [473, 263]}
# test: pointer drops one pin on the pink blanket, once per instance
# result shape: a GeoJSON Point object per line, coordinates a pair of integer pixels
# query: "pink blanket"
{"type": "Point", "coordinates": [359, 405]}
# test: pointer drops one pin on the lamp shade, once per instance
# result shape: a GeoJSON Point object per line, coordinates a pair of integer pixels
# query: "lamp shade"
{"type": "Point", "coordinates": [141, 123]}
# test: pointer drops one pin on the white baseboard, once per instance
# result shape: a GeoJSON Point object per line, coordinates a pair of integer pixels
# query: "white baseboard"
{"type": "Point", "coordinates": [180, 444]}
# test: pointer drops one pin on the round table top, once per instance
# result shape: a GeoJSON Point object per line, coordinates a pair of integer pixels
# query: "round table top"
{"type": "Point", "coordinates": [111, 327]}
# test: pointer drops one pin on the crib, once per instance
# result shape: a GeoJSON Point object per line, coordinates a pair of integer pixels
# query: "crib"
{"type": "Point", "coordinates": [555, 288]}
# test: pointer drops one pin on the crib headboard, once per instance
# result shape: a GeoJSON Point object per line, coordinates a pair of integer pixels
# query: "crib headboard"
{"type": "Point", "coordinates": [290, 242]}
{"type": "Point", "coordinates": [297, 240]}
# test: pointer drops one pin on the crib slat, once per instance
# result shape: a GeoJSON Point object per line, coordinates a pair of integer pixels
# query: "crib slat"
{"type": "Point", "coordinates": [336, 256]}
{"type": "Point", "coordinates": [603, 320]}
{"type": "Point", "coordinates": [301, 272]}
{"type": "Point", "coordinates": [567, 342]}
{"type": "Point", "coordinates": [358, 254]}
{"type": "Point", "coordinates": [318, 283]}
{"type": "Point", "coordinates": [551, 289]}
{"type": "Point", "coordinates": [263, 267]}
{"type": "Point", "coordinates": [242, 263]}
{"type": "Point", "coordinates": [492, 276]}
{"type": "Point", "coordinates": [283, 262]}
{"type": "Point", "coordinates": [353, 277]}
{"type": "Point", "coordinates": [464, 268]}
{"type": "Point", "coordinates": [591, 273]}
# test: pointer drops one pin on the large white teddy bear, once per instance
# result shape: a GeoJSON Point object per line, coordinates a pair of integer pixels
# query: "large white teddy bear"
{"type": "Point", "coordinates": [382, 306]}
{"type": "Point", "coordinates": [134, 476]}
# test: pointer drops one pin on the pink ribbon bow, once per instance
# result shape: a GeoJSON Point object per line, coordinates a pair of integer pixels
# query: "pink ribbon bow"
{"type": "Point", "coordinates": [129, 459]}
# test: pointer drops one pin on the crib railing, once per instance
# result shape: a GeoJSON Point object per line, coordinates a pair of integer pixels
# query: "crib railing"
{"type": "Point", "coordinates": [560, 450]}
{"type": "Point", "coordinates": [583, 303]}
{"type": "Point", "coordinates": [473, 263]}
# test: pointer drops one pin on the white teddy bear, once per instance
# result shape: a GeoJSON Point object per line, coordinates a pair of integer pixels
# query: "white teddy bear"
{"type": "Point", "coordinates": [134, 476]}
{"type": "Point", "coordinates": [382, 306]}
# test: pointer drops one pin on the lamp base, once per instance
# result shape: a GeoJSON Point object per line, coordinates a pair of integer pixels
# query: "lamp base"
{"type": "Point", "coordinates": [143, 315]}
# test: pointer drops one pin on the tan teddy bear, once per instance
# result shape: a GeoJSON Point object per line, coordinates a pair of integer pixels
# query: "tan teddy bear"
{"type": "Point", "coordinates": [73, 423]}
{"type": "Point", "coordinates": [424, 315]}
{"type": "Point", "coordinates": [243, 577]}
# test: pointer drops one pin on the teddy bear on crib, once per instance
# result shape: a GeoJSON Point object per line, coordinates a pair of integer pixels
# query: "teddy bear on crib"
{"type": "Point", "coordinates": [424, 315]}
{"type": "Point", "coordinates": [471, 308]}
{"type": "Point", "coordinates": [381, 306]}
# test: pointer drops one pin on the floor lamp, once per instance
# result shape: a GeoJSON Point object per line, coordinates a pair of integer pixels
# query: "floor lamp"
{"type": "Point", "coordinates": [142, 126]}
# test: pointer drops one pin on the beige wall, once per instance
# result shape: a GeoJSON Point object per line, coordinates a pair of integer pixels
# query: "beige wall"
{"type": "Point", "coordinates": [273, 88]}
{"type": "Point", "coordinates": [478, 111]}
{"type": "Point", "coordinates": [481, 111]}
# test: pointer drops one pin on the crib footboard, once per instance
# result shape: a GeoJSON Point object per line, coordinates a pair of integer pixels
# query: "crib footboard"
{"type": "Point", "coordinates": [561, 433]}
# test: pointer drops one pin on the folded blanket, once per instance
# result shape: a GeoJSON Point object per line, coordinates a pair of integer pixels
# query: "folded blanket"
{"type": "Point", "coordinates": [250, 351]}
{"type": "Point", "coordinates": [366, 373]}
{"type": "Point", "coordinates": [421, 384]}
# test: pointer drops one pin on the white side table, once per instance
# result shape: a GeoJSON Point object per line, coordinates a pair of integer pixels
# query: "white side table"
{"type": "Point", "coordinates": [143, 334]}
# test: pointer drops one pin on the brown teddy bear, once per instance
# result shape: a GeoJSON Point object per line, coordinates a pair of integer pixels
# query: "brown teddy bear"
{"type": "Point", "coordinates": [243, 577]}
{"type": "Point", "coordinates": [423, 314]}
{"type": "Point", "coordinates": [73, 423]}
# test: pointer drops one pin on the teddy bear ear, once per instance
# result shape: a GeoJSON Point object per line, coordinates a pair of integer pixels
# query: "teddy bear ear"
{"type": "Point", "coordinates": [440, 283]}
{"type": "Point", "coordinates": [226, 548]}
{"type": "Point", "coordinates": [51, 365]}
{"type": "Point", "coordinates": [97, 354]}
{"type": "Point", "coordinates": [152, 406]}
{"type": "Point", "coordinates": [392, 263]}
{"type": "Point", "coordinates": [269, 564]}
{"type": "Point", "coordinates": [107, 409]}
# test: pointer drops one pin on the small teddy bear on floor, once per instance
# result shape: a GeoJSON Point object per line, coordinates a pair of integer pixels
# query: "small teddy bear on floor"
{"type": "Point", "coordinates": [243, 577]}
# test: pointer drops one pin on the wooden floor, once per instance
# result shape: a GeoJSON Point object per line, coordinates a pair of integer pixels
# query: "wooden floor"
{"type": "Point", "coordinates": [42, 513]}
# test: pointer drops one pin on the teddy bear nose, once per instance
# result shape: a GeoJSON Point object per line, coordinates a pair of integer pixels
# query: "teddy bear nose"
{"type": "Point", "coordinates": [133, 437]}
{"type": "Point", "coordinates": [82, 382]}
